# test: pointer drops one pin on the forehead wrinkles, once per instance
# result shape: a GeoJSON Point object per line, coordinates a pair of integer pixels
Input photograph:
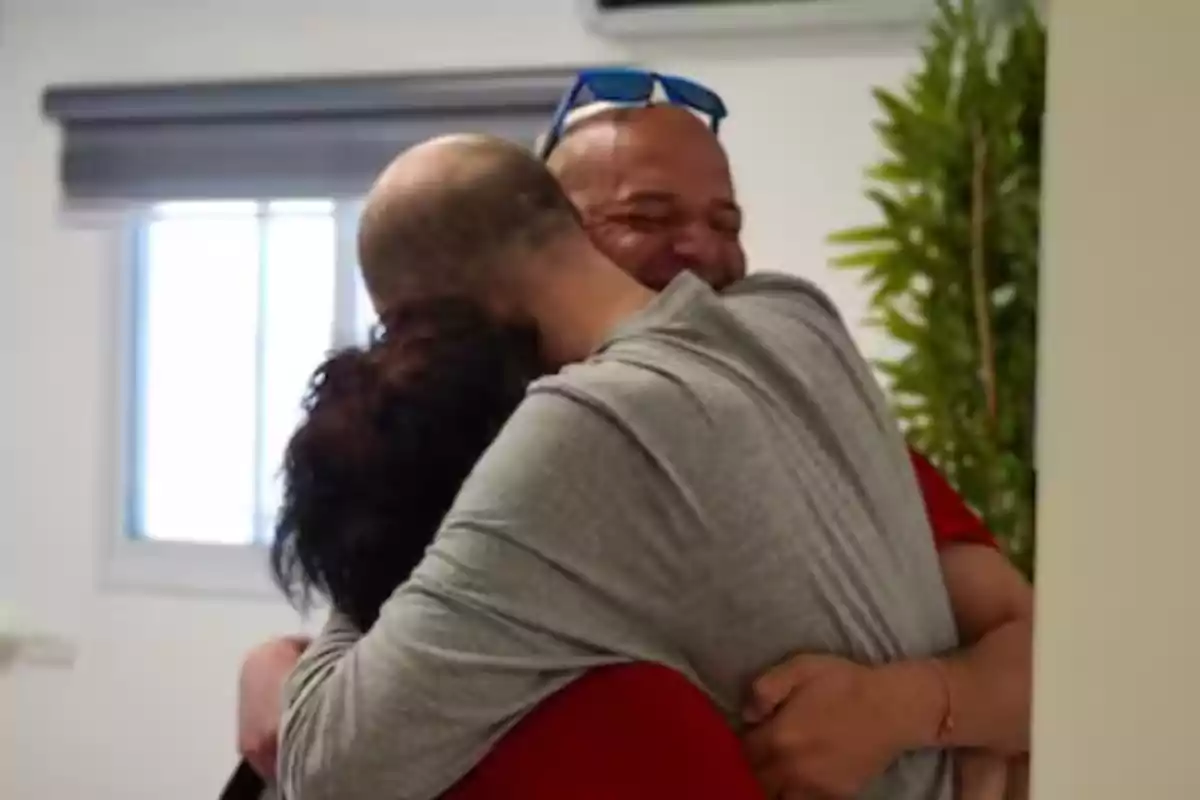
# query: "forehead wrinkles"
{"type": "Point", "coordinates": [606, 158]}
{"type": "Point", "coordinates": [685, 163]}
{"type": "Point", "coordinates": [593, 162]}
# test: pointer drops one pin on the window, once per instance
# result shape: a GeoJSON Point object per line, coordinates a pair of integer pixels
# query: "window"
{"type": "Point", "coordinates": [231, 304]}
{"type": "Point", "coordinates": [236, 304]}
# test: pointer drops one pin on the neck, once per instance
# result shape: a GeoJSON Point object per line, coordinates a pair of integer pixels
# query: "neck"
{"type": "Point", "coordinates": [579, 300]}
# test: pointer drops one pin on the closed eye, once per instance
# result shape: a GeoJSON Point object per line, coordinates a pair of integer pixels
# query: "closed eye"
{"type": "Point", "coordinates": [727, 226]}
{"type": "Point", "coordinates": [646, 222]}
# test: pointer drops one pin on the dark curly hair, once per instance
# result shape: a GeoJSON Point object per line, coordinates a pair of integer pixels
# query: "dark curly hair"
{"type": "Point", "coordinates": [391, 432]}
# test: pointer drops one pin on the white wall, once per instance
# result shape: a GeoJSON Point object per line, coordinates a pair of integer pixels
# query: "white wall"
{"type": "Point", "coordinates": [1118, 651]}
{"type": "Point", "coordinates": [146, 712]}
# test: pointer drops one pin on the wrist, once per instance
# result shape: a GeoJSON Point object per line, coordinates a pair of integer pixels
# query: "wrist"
{"type": "Point", "coordinates": [921, 706]}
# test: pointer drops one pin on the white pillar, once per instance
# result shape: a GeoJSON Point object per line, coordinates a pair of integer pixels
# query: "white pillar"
{"type": "Point", "coordinates": [1117, 697]}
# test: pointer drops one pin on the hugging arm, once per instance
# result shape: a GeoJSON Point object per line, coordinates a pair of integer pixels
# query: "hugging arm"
{"type": "Point", "coordinates": [511, 603]}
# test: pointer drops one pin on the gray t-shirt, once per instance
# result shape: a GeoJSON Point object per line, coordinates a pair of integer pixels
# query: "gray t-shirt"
{"type": "Point", "coordinates": [720, 486]}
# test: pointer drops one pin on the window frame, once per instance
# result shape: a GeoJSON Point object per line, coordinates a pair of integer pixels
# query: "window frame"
{"type": "Point", "coordinates": [129, 560]}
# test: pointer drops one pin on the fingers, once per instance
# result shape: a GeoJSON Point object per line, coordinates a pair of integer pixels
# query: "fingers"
{"type": "Point", "coordinates": [773, 754]}
{"type": "Point", "coordinates": [260, 685]}
{"type": "Point", "coordinates": [762, 745]}
{"type": "Point", "coordinates": [981, 776]}
{"type": "Point", "coordinates": [779, 784]}
{"type": "Point", "coordinates": [767, 694]}
{"type": "Point", "coordinates": [776, 684]}
{"type": "Point", "coordinates": [774, 781]}
{"type": "Point", "coordinates": [263, 760]}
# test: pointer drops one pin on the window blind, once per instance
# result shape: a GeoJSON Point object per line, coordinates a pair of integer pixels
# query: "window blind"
{"type": "Point", "coordinates": [295, 138]}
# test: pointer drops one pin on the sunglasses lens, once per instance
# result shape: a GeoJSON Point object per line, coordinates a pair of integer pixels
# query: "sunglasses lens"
{"type": "Point", "coordinates": [619, 87]}
{"type": "Point", "coordinates": [686, 93]}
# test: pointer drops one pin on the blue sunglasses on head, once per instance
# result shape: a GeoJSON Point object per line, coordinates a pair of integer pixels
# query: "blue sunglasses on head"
{"type": "Point", "coordinates": [626, 85]}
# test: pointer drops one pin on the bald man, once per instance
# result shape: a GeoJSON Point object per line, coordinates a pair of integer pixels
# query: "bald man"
{"type": "Point", "coordinates": [656, 194]}
{"type": "Point", "coordinates": [716, 485]}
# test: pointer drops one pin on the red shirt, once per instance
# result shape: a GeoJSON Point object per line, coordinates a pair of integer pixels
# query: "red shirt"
{"type": "Point", "coordinates": [631, 732]}
{"type": "Point", "coordinates": [642, 732]}
{"type": "Point", "coordinates": [952, 521]}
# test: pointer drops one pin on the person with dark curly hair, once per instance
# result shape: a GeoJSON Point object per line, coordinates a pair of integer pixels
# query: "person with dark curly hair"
{"type": "Point", "coordinates": [390, 432]}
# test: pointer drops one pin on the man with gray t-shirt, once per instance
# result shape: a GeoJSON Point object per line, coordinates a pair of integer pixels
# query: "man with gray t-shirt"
{"type": "Point", "coordinates": [716, 485]}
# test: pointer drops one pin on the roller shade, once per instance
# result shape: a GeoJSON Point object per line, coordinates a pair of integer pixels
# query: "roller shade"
{"type": "Point", "coordinates": [324, 138]}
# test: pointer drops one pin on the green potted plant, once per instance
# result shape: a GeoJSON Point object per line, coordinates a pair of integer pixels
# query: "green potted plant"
{"type": "Point", "coordinates": [953, 261]}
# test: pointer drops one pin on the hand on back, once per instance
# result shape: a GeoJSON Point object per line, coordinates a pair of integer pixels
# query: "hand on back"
{"type": "Point", "coordinates": [260, 700]}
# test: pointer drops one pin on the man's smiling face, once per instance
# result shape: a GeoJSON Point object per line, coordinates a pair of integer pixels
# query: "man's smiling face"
{"type": "Point", "coordinates": [654, 188]}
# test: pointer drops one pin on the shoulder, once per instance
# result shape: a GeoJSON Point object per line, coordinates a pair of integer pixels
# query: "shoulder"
{"type": "Point", "coordinates": [780, 289]}
{"type": "Point", "coordinates": [633, 397]}
{"type": "Point", "coordinates": [564, 426]}
{"type": "Point", "coordinates": [597, 420]}
{"type": "Point", "coordinates": [574, 445]}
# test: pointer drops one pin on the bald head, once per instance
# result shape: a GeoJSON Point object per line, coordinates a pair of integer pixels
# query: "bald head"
{"type": "Point", "coordinates": [449, 216]}
{"type": "Point", "coordinates": [654, 189]}
{"type": "Point", "coordinates": [592, 132]}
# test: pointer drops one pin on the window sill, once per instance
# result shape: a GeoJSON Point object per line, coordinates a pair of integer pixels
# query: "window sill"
{"type": "Point", "coordinates": [227, 571]}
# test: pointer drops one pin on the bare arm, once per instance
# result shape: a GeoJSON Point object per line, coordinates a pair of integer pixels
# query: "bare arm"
{"type": "Point", "coordinates": [993, 609]}
{"type": "Point", "coordinates": [989, 680]}
{"type": "Point", "coordinates": [492, 621]}
{"type": "Point", "coordinates": [826, 723]}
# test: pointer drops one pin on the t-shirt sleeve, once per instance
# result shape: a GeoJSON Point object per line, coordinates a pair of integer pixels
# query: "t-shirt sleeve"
{"type": "Point", "coordinates": [550, 562]}
{"type": "Point", "coordinates": [952, 521]}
